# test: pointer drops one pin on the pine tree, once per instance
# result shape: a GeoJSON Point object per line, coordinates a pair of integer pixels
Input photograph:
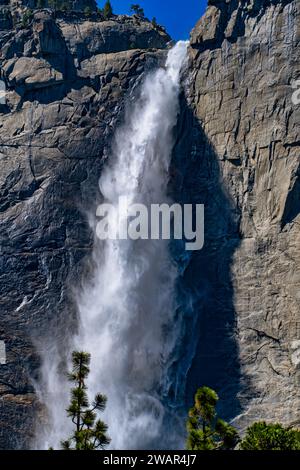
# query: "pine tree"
{"type": "Point", "coordinates": [27, 17]}
{"type": "Point", "coordinates": [135, 8]}
{"type": "Point", "coordinates": [205, 430]}
{"type": "Point", "coordinates": [53, 4]}
{"type": "Point", "coordinates": [107, 10]}
{"type": "Point", "coordinates": [40, 4]}
{"type": "Point", "coordinates": [88, 11]}
{"type": "Point", "coordinates": [89, 433]}
{"type": "Point", "coordinates": [263, 436]}
{"type": "Point", "coordinates": [154, 22]}
{"type": "Point", "coordinates": [65, 5]}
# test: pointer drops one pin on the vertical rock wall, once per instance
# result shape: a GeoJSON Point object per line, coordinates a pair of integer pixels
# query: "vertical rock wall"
{"type": "Point", "coordinates": [66, 82]}
{"type": "Point", "coordinates": [238, 150]}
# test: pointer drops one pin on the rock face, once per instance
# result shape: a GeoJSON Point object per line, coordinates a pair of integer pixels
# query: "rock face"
{"type": "Point", "coordinates": [65, 85]}
{"type": "Point", "coordinates": [238, 151]}
{"type": "Point", "coordinates": [5, 15]}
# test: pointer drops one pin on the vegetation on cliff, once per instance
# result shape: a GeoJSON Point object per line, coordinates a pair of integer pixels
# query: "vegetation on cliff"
{"type": "Point", "coordinates": [137, 10]}
{"type": "Point", "coordinates": [263, 436]}
{"type": "Point", "coordinates": [23, 13]}
{"type": "Point", "coordinates": [208, 432]}
{"type": "Point", "coordinates": [205, 430]}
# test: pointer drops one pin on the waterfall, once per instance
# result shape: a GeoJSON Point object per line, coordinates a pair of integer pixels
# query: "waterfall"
{"type": "Point", "coordinates": [127, 311]}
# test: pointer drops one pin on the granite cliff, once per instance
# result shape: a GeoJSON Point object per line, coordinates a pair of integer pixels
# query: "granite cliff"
{"type": "Point", "coordinates": [241, 130]}
{"type": "Point", "coordinates": [65, 80]}
{"type": "Point", "coordinates": [237, 151]}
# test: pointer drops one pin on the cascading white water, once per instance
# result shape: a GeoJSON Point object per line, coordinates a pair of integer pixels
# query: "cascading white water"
{"type": "Point", "coordinates": [127, 311]}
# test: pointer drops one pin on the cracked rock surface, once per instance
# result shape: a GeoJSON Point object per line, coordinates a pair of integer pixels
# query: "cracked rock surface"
{"type": "Point", "coordinates": [245, 142]}
{"type": "Point", "coordinates": [66, 82]}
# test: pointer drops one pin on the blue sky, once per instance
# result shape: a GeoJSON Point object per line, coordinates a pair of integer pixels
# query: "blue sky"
{"type": "Point", "coordinates": [178, 16]}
